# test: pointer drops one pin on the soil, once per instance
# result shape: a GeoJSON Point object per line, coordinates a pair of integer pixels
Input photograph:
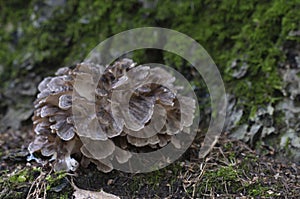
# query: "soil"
{"type": "Point", "coordinates": [232, 169]}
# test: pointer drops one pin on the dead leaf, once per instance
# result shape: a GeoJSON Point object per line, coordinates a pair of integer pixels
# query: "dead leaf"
{"type": "Point", "coordinates": [85, 194]}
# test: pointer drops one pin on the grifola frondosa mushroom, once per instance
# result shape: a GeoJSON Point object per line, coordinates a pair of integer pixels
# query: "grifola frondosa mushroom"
{"type": "Point", "coordinates": [104, 113]}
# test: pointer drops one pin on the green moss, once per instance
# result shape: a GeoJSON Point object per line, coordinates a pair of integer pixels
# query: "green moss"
{"type": "Point", "coordinates": [235, 173]}
{"type": "Point", "coordinates": [229, 178]}
{"type": "Point", "coordinates": [54, 179]}
{"type": "Point", "coordinates": [262, 39]}
{"type": "Point", "coordinates": [14, 183]}
{"type": "Point", "coordinates": [216, 180]}
{"type": "Point", "coordinates": [19, 177]}
{"type": "Point", "coordinates": [155, 179]}
{"type": "Point", "coordinates": [17, 184]}
{"type": "Point", "coordinates": [258, 191]}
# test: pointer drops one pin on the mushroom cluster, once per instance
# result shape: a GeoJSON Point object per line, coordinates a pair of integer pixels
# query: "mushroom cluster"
{"type": "Point", "coordinates": [98, 114]}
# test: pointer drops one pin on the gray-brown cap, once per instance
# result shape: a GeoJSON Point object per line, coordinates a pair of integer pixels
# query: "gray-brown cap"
{"type": "Point", "coordinates": [123, 113]}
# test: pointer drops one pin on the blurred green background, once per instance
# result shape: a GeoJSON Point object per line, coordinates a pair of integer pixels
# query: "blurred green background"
{"type": "Point", "coordinates": [45, 35]}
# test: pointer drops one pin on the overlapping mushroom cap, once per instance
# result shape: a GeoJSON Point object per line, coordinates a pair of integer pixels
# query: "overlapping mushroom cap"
{"type": "Point", "coordinates": [104, 113]}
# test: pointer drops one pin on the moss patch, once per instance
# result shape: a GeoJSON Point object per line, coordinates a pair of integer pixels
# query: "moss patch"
{"type": "Point", "coordinates": [251, 31]}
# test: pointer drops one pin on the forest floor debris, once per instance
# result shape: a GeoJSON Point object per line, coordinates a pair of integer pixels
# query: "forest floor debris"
{"type": "Point", "coordinates": [232, 169]}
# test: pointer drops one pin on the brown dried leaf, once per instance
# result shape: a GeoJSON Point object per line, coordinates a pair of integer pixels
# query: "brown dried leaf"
{"type": "Point", "coordinates": [85, 194]}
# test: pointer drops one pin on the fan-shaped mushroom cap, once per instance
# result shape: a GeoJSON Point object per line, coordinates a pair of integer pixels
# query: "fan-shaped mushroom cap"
{"type": "Point", "coordinates": [62, 71]}
{"type": "Point", "coordinates": [188, 106]}
{"type": "Point", "coordinates": [104, 113]}
{"type": "Point", "coordinates": [44, 84]}
{"type": "Point", "coordinates": [65, 102]}
{"type": "Point", "coordinates": [135, 111]}
{"type": "Point", "coordinates": [122, 156]}
{"type": "Point", "coordinates": [155, 125]}
{"type": "Point", "coordinates": [103, 165]}
{"type": "Point", "coordinates": [163, 140]}
{"type": "Point", "coordinates": [139, 142]}
{"type": "Point", "coordinates": [97, 149]}
{"type": "Point", "coordinates": [48, 150]}
{"type": "Point", "coordinates": [41, 128]}
{"type": "Point", "coordinates": [57, 84]}
{"type": "Point", "coordinates": [66, 132]}
{"type": "Point", "coordinates": [90, 128]}
{"type": "Point", "coordinates": [38, 143]}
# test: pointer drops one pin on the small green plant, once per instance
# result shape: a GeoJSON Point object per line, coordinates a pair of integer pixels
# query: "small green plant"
{"type": "Point", "coordinates": [54, 179]}
{"type": "Point", "coordinates": [19, 177]}
{"type": "Point", "coordinates": [258, 190]}
{"type": "Point", "coordinates": [227, 173]}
